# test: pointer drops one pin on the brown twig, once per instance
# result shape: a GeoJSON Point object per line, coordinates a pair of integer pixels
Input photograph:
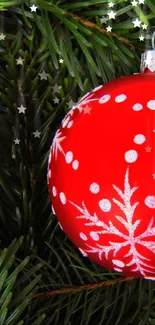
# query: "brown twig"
{"type": "Point", "coordinates": [77, 289]}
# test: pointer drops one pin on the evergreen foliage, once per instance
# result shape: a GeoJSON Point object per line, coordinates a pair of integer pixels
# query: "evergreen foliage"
{"type": "Point", "coordinates": [43, 277]}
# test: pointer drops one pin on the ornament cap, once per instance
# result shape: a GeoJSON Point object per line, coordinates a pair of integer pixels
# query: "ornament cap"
{"type": "Point", "coordinates": [148, 61]}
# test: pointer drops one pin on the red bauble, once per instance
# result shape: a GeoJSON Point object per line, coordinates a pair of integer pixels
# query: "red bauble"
{"type": "Point", "coordinates": [101, 175]}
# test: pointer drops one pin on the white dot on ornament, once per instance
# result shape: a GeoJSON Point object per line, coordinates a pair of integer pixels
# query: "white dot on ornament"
{"type": "Point", "coordinates": [121, 98]}
{"type": "Point", "coordinates": [69, 157]}
{"type": "Point", "coordinates": [69, 124]}
{"type": "Point", "coordinates": [139, 139]}
{"type": "Point", "coordinates": [137, 107]}
{"type": "Point", "coordinates": [62, 198]}
{"type": "Point", "coordinates": [104, 99]}
{"type": "Point", "coordinates": [49, 173]}
{"type": "Point", "coordinates": [83, 236]}
{"type": "Point", "coordinates": [65, 121]}
{"type": "Point", "coordinates": [150, 202]}
{"type": "Point", "coordinates": [94, 235]}
{"type": "Point", "coordinates": [117, 269]}
{"type": "Point", "coordinates": [131, 156]}
{"type": "Point", "coordinates": [105, 205]}
{"type": "Point", "coordinates": [151, 104]}
{"type": "Point", "coordinates": [118, 263]}
{"type": "Point", "coordinates": [94, 188]}
{"type": "Point", "coordinates": [75, 164]}
{"type": "Point", "coordinates": [97, 88]}
{"type": "Point", "coordinates": [83, 252]}
{"type": "Point", "coordinates": [54, 191]}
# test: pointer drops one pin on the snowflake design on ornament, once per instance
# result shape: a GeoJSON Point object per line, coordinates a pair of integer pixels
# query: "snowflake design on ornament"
{"type": "Point", "coordinates": [56, 146]}
{"type": "Point", "coordinates": [138, 262]}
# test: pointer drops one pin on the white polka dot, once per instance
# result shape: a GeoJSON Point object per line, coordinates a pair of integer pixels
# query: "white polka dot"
{"type": "Point", "coordinates": [120, 98]}
{"type": "Point", "coordinates": [94, 188]}
{"type": "Point", "coordinates": [151, 104]}
{"type": "Point", "coordinates": [139, 139]}
{"type": "Point", "coordinates": [137, 107]}
{"type": "Point", "coordinates": [83, 252]}
{"type": "Point", "coordinates": [83, 236]}
{"type": "Point", "coordinates": [131, 156]}
{"type": "Point", "coordinates": [118, 263]}
{"type": "Point", "coordinates": [70, 124]}
{"type": "Point", "coordinates": [94, 235]}
{"type": "Point", "coordinates": [105, 205]}
{"type": "Point", "coordinates": [62, 198]}
{"type": "Point", "coordinates": [49, 173]}
{"type": "Point", "coordinates": [150, 201]}
{"type": "Point", "coordinates": [97, 88]}
{"type": "Point", "coordinates": [69, 157]}
{"type": "Point", "coordinates": [54, 191]}
{"type": "Point", "coordinates": [117, 269]}
{"type": "Point", "coordinates": [104, 99]}
{"type": "Point", "coordinates": [64, 123]}
{"type": "Point", "coordinates": [75, 164]}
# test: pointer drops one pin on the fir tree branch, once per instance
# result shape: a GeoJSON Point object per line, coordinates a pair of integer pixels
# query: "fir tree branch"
{"type": "Point", "coordinates": [83, 287]}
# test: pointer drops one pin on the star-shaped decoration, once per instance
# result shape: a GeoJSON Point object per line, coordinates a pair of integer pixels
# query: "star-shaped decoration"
{"type": "Point", "coordinates": [141, 2]}
{"type": "Point", "coordinates": [148, 149]}
{"type": "Point", "coordinates": [111, 4]}
{"type": "Point", "coordinates": [20, 60]}
{"type": "Point", "coordinates": [103, 20]}
{"type": "Point", "coordinates": [56, 100]}
{"type": "Point", "coordinates": [137, 22]}
{"type": "Point", "coordinates": [144, 26]}
{"type": "Point", "coordinates": [61, 61]}
{"type": "Point", "coordinates": [43, 75]}
{"type": "Point", "coordinates": [141, 38]}
{"type": "Point", "coordinates": [37, 134]}
{"type": "Point", "coordinates": [33, 8]}
{"type": "Point", "coordinates": [56, 89]}
{"type": "Point", "coordinates": [13, 156]}
{"type": "Point", "coordinates": [16, 141]}
{"type": "Point", "coordinates": [86, 109]}
{"type": "Point", "coordinates": [70, 104]}
{"type": "Point", "coordinates": [134, 3]}
{"type": "Point", "coordinates": [2, 37]}
{"type": "Point", "coordinates": [109, 29]}
{"type": "Point", "coordinates": [153, 176]}
{"type": "Point", "coordinates": [21, 109]}
{"type": "Point", "coordinates": [111, 14]}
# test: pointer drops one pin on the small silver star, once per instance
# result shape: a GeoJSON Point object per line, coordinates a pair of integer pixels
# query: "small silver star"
{"type": "Point", "coordinates": [21, 109]}
{"type": "Point", "coordinates": [37, 134]}
{"type": "Point", "coordinates": [103, 20]}
{"type": "Point", "coordinates": [20, 60]}
{"type": "Point", "coordinates": [144, 26]}
{"type": "Point", "coordinates": [56, 89]}
{"type": "Point", "coordinates": [134, 3]}
{"type": "Point", "coordinates": [2, 37]}
{"type": "Point", "coordinates": [61, 61]}
{"type": "Point", "coordinates": [33, 8]}
{"type": "Point", "coordinates": [109, 29]}
{"type": "Point", "coordinates": [111, 4]}
{"type": "Point", "coordinates": [56, 100]}
{"type": "Point", "coordinates": [141, 1]}
{"type": "Point", "coordinates": [43, 75]}
{"type": "Point", "coordinates": [148, 149]}
{"type": "Point", "coordinates": [86, 109]}
{"type": "Point", "coordinates": [141, 38]}
{"type": "Point", "coordinates": [111, 14]}
{"type": "Point", "coordinates": [16, 141]}
{"type": "Point", "coordinates": [13, 156]}
{"type": "Point", "coordinates": [137, 22]}
{"type": "Point", "coordinates": [70, 104]}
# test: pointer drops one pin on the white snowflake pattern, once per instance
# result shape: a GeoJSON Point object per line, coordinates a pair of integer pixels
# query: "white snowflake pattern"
{"type": "Point", "coordinates": [138, 262]}
{"type": "Point", "coordinates": [56, 144]}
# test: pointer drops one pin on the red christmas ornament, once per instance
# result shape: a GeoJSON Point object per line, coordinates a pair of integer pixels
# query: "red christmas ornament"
{"type": "Point", "coordinates": [101, 174]}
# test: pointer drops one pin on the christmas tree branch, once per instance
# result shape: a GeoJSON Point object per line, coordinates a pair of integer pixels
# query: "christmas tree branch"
{"type": "Point", "coordinates": [77, 289]}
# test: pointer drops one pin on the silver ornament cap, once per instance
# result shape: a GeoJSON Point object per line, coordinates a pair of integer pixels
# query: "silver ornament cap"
{"type": "Point", "coordinates": [148, 58]}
